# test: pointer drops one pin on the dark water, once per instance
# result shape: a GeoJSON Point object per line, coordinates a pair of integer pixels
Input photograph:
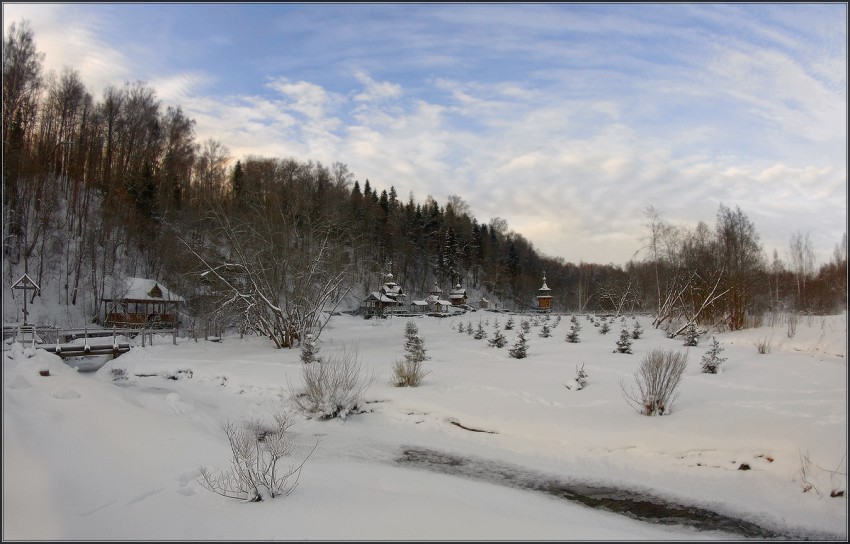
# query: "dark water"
{"type": "Point", "coordinates": [636, 505]}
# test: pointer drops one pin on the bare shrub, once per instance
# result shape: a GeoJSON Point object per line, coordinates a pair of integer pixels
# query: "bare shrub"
{"type": "Point", "coordinates": [810, 473]}
{"type": "Point", "coordinates": [763, 346]}
{"type": "Point", "coordinates": [657, 378]}
{"type": "Point", "coordinates": [408, 373]}
{"type": "Point", "coordinates": [333, 386]}
{"type": "Point", "coordinates": [255, 452]}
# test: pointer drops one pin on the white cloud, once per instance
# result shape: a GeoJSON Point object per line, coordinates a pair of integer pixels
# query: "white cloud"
{"type": "Point", "coordinates": [69, 41]}
{"type": "Point", "coordinates": [375, 91]}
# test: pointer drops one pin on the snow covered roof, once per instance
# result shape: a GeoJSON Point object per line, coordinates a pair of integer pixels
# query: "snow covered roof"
{"type": "Point", "coordinates": [443, 302]}
{"type": "Point", "coordinates": [392, 290]}
{"type": "Point", "coordinates": [457, 292]}
{"type": "Point", "coordinates": [419, 303]}
{"type": "Point", "coordinates": [142, 289]}
{"type": "Point", "coordinates": [380, 297]}
{"type": "Point", "coordinates": [545, 287]}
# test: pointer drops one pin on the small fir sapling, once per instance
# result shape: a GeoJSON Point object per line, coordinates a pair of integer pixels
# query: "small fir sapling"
{"type": "Point", "coordinates": [525, 326]}
{"type": "Point", "coordinates": [605, 328]}
{"type": "Point", "coordinates": [711, 360]}
{"type": "Point", "coordinates": [572, 335]}
{"type": "Point", "coordinates": [414, 345]}
{"type": "Point", "coordinates": [637, 330]}
{"type": "Point", "coordinates": [309, 350]}
{"type": "Point", "coordinates": [460, 328]}
{"type": "Point", "coordinates": [469, 329]}
{"type": "Point", "coordinates": [409, 372]}
{"type": "Point", "coordinates": [624, 344]}
{"type": "Point", "coordinates": [509, 324]}
{"type": "Point", "coordinates": [580, 381]}
{"type": "Point", "coordinates": [498, 340]}
{"type": "Point", "coordinates": [480, 333]}
{"type": "Point", "coordinates": [691, 335]}
{"type": "Point", "coordinates": [520, 349]}
{"type": "Point", "coordinates": [545, 331]}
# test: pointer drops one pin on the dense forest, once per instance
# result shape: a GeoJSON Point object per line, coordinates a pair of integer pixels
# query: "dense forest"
{"type": "Point", "coordinates": [118, 186]}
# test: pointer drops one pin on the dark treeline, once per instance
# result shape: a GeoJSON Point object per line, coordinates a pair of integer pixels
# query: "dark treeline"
{"type": "Point", "coordinates": [117, 185]}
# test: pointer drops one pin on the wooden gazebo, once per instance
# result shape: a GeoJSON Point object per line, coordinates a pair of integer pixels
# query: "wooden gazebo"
{"type": "Point", "coordinates": [141, 303]}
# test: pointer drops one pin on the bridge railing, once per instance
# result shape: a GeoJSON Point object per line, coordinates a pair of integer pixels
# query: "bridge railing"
{"type": "Point", "coordinates": [46, 336]}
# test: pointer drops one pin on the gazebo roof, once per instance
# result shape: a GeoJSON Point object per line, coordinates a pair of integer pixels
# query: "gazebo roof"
{"type": "Point", "coordinates": [143, 290]}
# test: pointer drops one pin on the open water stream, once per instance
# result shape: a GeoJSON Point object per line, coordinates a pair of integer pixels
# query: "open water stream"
{"type": "Point", "coordinates": [637, 505]}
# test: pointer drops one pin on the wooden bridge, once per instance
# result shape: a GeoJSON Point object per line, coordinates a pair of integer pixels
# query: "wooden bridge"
{"type": "Point", "coordinates": [67, 342]}
{"type": "Point", "coordinates": [82, 350]}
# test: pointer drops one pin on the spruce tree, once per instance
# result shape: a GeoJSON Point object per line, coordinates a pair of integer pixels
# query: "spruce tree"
{"type": "Point", "coordinates": [414, 346]}
{"type": "Point", "coordinates": [498, 340]}
{"type": "Point", "coordinates": [581, 377]}
{"type": "Point", "coordinates": [309, 350]}
{"type": "Point", "coordinates": [624, 344]}
{"type": "Point", "coordinates": [605, 327]}
{"type": "Point", "coordinates": [572, 336]}
{"type": "Point", "coordinates": [637, 330]}
{"type": "Point", "coordinates": [480, 334]}
{"type": "Point", "coordinates": [509, 324]}
{"type": "Point", "coordinates": [545, 331]}
{"type": "Point", "coordinates": [520, 349]}
{"type": "Point", "coordinates": [711, 360]}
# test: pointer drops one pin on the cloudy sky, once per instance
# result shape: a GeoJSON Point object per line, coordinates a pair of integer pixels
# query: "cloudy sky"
{"type": "Point", "coordinates": [567, 120]}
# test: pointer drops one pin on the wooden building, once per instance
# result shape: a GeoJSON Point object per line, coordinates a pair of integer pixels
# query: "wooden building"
{"type": "Point", "coordinates": [388, 300]}
{"type": "Point", "coordinates": [544, 299]}
{"type": "Point", "coordinates": [458, 296]}
{"type": "Point", "coordinates": [140, 302]}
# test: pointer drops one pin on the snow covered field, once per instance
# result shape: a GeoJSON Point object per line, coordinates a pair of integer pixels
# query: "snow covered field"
{"type": "Point", "coordinates": [87, 456]}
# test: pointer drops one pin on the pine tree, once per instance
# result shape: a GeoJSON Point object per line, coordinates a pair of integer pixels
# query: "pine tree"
{"type": "Point", "coordinates": [414, 346]}
{"type": "Point", "coordinates": [498, 340]}
{"type": "Point", "coordinates": [469, 329]}
{"type": "Point", "coordinates": [309, 350]}
{"type": "Point", "coordinates": [691, 335]}
{"type": "Point", "coordinates": [520, 349]}
{"type": "Point", "coordinates": [711, 360]}
{"type": "Point", "coordinates": [605, 327]}
{"type": "Point", "coordinates": [525, 326]}
{"type": "Point", "coordinates": [509, 324]}
{"type": "Point", "coordinates": [460, 328]}
{"type": "Point", "coordinates": [545, 331]}
{"type": "Point", "coordinates": [624, 344]}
